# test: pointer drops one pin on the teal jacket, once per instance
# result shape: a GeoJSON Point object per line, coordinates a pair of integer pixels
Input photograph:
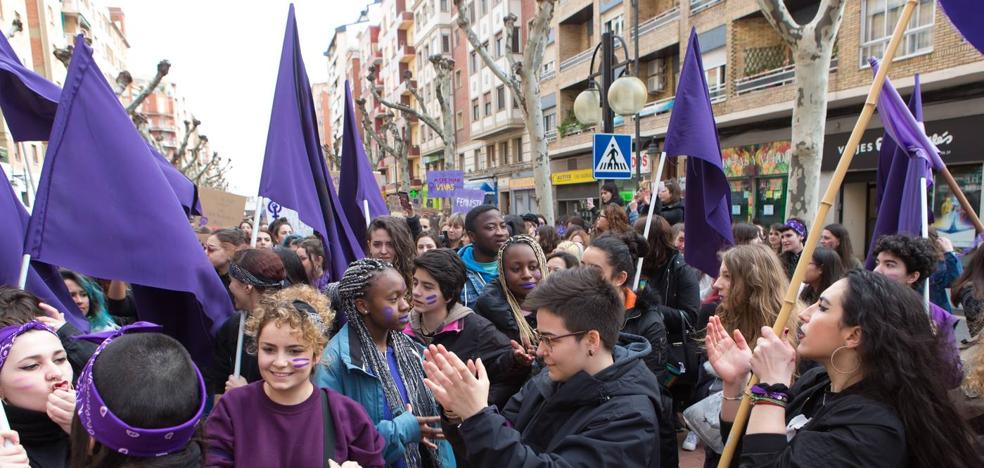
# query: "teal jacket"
{"type": "Point", "coordinates": [344, 370]}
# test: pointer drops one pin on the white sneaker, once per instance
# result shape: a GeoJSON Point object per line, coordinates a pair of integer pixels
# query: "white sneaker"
{"type": "Point", "coordinates": [690, 443]}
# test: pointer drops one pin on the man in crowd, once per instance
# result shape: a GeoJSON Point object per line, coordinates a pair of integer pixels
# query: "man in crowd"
{"type": "Point", "coordinates": [486, 228]}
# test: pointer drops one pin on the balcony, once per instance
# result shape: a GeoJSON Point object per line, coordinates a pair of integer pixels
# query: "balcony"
{"type": "Point", "coordinates": [718, 92]}
{"type": "Point", "coordinates": [772, 78]}
{"type": "Point", "coordinates": [697, 6]}
{"type": "Point", "coordinates": [661, 106]}
{"type": "Point", "coordinates": [658, 21]}
{"type": "Point", "coordinates": [406, 52]}
{"type": "Point", "coordinates": [404, 20]}
{"type": "Point", "coordinates": [583, 56]}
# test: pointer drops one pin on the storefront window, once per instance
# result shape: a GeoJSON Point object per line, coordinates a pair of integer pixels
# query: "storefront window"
{"type": "Point", "coordinates": [951, 220]}
{"type": "Point", "coordinates": [758, 178]}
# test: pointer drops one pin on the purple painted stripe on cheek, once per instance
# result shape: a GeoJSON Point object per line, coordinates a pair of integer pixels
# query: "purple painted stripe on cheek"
{"type": "Point", "coordinates": [431, 300]}
{"type": "Point", "coordinates": [389, 313]}
{"type": "Point", "coordinates": [300, 363]}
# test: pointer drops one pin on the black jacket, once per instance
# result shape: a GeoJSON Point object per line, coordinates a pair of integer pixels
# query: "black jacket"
{"type": "Point", "coordinates": [475, 337]}
{"type": "Point", "coordinates": [492, 305]}
{"type": "Point", "coordinates": [588, 421]}
{"type": "Point", "coordinates": [845, 429]}
{"type": "Point", "coordinates": [646, 320]}
{"type": "Point", "coordinates": [678, 286]}
{"type": "Point", "coordinates": [224, 358]}
{"type": "Point", "coordinates": [672, 213]}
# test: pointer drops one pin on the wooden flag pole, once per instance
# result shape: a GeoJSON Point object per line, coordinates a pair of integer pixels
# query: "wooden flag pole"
{"type": "Point", "coordinates": [825, 204]}
{"type": "Point", "coordinates": [964, 203]}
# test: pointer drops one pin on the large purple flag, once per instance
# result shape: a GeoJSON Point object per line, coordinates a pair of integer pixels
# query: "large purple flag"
{"type": "Point", "coordinates": [42, 280]}
{"type": "Point", "coordinates": [295, 174]}
{"type": "Point", "coordinates": [968, 17]}
{"type": "Point", "coordinates": [356, 183]}
{"type": "Point", "coordinates": [28, 99]}
{"type": "Point", "coordinates": [29, 102]}
{"type": "Point", "coordinates": [94, 192]}
{"type": "Point", "coordinates": [693, 133]}
{"type": "Point", "coordinates": [900, 170]}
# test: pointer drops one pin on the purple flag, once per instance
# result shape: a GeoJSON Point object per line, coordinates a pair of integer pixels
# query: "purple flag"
{"type": "Point", "coordinates": [184, 188]}
{"type": "Point", "coordinates": [94, 192]}
{"type": "Point", "coordinates": [968, 17]}
{"type": "Point", "coordinates": [900, 171]}
{"type": "Point", "coordinates": [693, 133]}
{"type": "Point", "coordinates": [356, 183]}
{"type": "Point", "coordinates": [901, 126]}
{"type": "Point", "coordinates": [28, 100]}
{"type": "Point", "coordinates": [294, 171]}
{"type": "Point", "coordinates": [42, 280]}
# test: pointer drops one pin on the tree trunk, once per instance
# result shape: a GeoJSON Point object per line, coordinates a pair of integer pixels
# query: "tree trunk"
{"type": "Point", "coordinates": [809, 121]}
{"type": "Point", "coordinates": [543, 187]}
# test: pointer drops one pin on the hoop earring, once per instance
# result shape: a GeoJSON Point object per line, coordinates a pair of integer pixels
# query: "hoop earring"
{"type": "Point", "coordinates": [833, 357]}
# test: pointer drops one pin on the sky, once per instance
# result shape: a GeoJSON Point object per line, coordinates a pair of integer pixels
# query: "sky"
{"type": "Point", "coordinates": [224, 56]}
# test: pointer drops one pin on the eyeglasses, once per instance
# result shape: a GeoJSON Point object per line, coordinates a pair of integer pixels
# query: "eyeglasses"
{"type": "Point", "coordinates": [549, 341]}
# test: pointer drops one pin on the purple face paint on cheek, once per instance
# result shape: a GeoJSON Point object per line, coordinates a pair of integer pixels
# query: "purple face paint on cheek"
{"type": "Point", "coordinates": [389, 313]}
{"type": "Point", "coordinates": [431, 300]}
{"type": "Point", "coordinates": [300, 363]}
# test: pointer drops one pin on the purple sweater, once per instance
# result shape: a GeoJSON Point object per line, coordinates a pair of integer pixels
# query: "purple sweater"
{"type": "Point", "coordinates": [247, 429]}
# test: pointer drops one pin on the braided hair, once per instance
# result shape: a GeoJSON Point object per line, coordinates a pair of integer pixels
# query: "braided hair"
{"type": "Point", "coordinates": [526, 333]}
{"type": "Point", "coordinates": [354, 285]}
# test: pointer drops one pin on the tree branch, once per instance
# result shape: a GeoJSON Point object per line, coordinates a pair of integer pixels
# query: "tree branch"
{"type": "Point", "coordinates": [509, 23]}
{"type": "Point", "coordinates": [190, 127]}
{"type": "Point", "coordinates": [208, 165]}
{"type": "Point", "coordinates": [163, 67]}
{"type": "Point", "coordinates": [536, 43]}
{"type": "Point", "coordinates": [443, 66]}
{"type": "Point", "coordinates": [371, 77]}
{"type": "Point", "coordinates": [465, 24]}
{"type": "Point", "coordinates": [195, 152]}
{"type": "Point", "coordinates": [827, 21]}
{"type": "Point", "coordinates": [778, 16]}
{"type": "Point", "coordinates": [369, 130]}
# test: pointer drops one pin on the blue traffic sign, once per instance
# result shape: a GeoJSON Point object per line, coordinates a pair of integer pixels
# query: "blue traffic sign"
{"type": "Point", "coordinates": [612, 153]}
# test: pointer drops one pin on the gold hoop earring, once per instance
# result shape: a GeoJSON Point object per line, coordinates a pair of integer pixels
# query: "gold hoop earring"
{"type": "Point", "coordinates": [833, 357]}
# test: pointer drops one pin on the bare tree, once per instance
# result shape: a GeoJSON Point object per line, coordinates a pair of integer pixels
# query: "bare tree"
{"type": "Point", "coordinates": [812, 45]}
{"type": "Point", "coordinates": [443, 126]}
{"type": "Point", "coordinates": [190, 128]}
{"type": "Point", "coordinates": [523, 80]}
{"type": "Point", "coordinates": [163, 67]}
{"type": "Point", "coordinates": [394, 141]}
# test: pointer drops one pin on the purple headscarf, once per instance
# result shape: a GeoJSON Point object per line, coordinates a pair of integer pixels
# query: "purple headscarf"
{"type": "Point", "coordinates": [9, 334]}
{"type": "Point", "coordinates": [113, 432]}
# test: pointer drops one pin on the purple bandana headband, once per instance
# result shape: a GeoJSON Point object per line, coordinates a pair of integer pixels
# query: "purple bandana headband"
{"type": "Point", "coordinates": [9, 334]}
{"type": "Point", "coordinates": [113, 432]}
{"type": "Point", "coordinates": [798, 226]}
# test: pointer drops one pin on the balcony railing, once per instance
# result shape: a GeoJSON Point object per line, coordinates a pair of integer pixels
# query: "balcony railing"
{"type": "Point", "coordinates": [772, 78]}
{"type": "Point", "coordinates": [661, 106]}
{"type": "Point", "coordinates": [548, 75]}
{"type": "Point", "coordinates": [718, 92]}
{"type": "Point", "coordinates": [551, 135]}
{"type": "Point", "coordinates": [697, 6]}
{"type": "Point", "coordinates": [581, 57]}
{"type": "Point", "coordinates": [658, 21]}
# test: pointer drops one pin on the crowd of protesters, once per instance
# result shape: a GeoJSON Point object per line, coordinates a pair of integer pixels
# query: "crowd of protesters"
{"type": "Point", "coordinates": [493, 340]}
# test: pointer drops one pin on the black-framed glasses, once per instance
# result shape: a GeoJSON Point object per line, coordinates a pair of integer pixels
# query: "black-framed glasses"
{"type": "Point", "coordinates": [549, 341]}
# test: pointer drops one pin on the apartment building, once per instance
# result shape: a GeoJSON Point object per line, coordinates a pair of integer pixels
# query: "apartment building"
{"type": "Point", "coordinates": [105, 26]}
{"type": "Point", "coordinates": [750, 76]}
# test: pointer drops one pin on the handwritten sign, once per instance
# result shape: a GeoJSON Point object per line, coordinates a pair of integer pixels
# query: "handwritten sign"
{"type": "Point", "coordinates": [444, 183]}
{"type": "Point", "coordinates": [464, 200]}
{"type": "Point", "coordinates": [222, 209]}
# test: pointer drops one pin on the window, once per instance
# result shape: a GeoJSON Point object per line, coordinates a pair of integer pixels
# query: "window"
{"type": "Point", "coordinates": [475, 115]}
{"type": "Point", "coordinates": [715, 68]}
{"type": "Point", "coordinates": [458, 121]}
{"type": "Point", "coordinates": [461, 161]}
{"type": "Point", "coordinates": [471, 13]}
{"type": "Point", "coordinates": [479, 162]}
{"type": "Point", "coordinates": [549, 68]}
{"type": "Point", "coordinates": [445, 6]}
{"type": "Point", "coordinates": [473, 62]}
{"type": "Point", "coordinates": [498, 45]}
{"type": "Point", "coordinates": [500, 97]}
{"type": "Point", "coordinates": [445, 43]}
{"type": "Point", "coordinates": [457, 79]}
{"type": "Point", "coordinates": [615, 25]}
{"type": "Point", "coordinates": [485, 6]}
{"type": "Point", "coordinates": [490, 156]}
{"type": "Point", "coordinates": [878, 18]}
{"type": "Point", "coordinates": [549, 122]}
{"type": "Point", "coordinates": [518, 149]}
{"type": "Point", "coordinates": [487, 99]}
{"type": "Point", "coordinates": [515, 40]}
{"type": "Point", "coordinates": [504, 152]}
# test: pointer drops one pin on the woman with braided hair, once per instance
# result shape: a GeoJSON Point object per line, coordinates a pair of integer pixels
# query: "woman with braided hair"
{"type": "Point", "coordinates": [522, 266]}
{"type": "Point", "coordinates": [373, 362]}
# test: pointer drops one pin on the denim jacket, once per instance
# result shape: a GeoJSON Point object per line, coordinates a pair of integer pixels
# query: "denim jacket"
{"type": "Point", "coordinates": [344, 370]}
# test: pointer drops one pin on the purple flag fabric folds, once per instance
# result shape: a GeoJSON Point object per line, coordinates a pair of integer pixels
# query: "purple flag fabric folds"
{"type": "Point", "coordinates": [295, 174]}
{"type": "Point", "coordinates": [103, 212]}
{"type": "Point", "coordinates": [693, 133]}
{"type": "Point", "coordinates": [356, 183]}
{"type": "Point", "coordinates": [968, 17]}
{"type": "Point", "coordinates": [28, 99]}
{"type": "Point", "coordinates": [42, 280]}
{"type": "Point", "coordinates": [900, 170]}
{"type": "Point", "coordinates": [184, 188]}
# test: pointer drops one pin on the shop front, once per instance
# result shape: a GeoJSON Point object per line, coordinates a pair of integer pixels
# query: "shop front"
{"type": "Point", "coordinates": [573, 190]}
{"type": "Point", "coordinates": [758, 175]}
{"type": "Point", "coordinates": [521, 199]}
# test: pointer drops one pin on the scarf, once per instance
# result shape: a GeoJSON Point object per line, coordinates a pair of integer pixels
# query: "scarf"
{"type": "Point", "coordinates": [489, 271]}
{"type": "Point", "coordinates": [456, 313]}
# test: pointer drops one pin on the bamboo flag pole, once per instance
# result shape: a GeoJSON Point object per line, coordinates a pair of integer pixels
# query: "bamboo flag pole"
{"type": "Point", "coordinates": [825, 204]}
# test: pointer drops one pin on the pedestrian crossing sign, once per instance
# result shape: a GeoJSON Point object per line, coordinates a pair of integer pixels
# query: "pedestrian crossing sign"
{"type": "Point", "coordinates": [612, 153]}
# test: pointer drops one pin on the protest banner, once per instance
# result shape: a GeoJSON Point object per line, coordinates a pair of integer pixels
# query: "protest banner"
{"type": "Point", "coordinates": [444, 183]}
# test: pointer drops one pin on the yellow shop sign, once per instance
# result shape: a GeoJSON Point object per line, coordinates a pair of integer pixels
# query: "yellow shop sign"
{"type": "Point", "coordinates": [579, 176]}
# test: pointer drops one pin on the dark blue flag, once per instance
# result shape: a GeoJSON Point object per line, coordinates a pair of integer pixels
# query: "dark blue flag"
{"type": "Point", "coordinates": [28, 99]}
{"type": "Point", "coordinates": [356, 182]}
{"type": "Point", "coordinates": [693, 133]}
{"type": "Point", "coordinates": [968, 17]}
{"type": "Point", "coordinates": [94, 192]}
{"type": "Point", "coordinates": [295, 174]}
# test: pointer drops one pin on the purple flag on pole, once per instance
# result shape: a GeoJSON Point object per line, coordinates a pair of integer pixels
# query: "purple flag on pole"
{"type": "Point", "coordinates": [184, 188]}
{"type": "Point", "coordinates": [898, 178]}
{"type": "Point", "coordinates": [28, 100]}
{"type": "Point", "coordinates": [356, 183]}
{"type": "Point", "coordinates": [94, 192]}
{"type": "Point", "coordinates": [295, 174]}
{"type": "Point", "coordinates": [967, 17]}
{"type": "Point", "coordinates": [42, 280]}
{"type": "Point", "coordinates": [693, 133]}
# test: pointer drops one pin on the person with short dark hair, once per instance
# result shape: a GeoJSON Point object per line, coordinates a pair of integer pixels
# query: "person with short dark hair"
{"type": "Point", "coordinates": [18, 307]}
{"type": "Point", "coordinates": [669, 202]}
{"type": "Point", "coordinates": [595, 404]}
{"type": "Point", "coordinates": [745, 233]}
{"type": "Point", "coordinates": [426, 241]}
{"type": "Point", "coordinates": [910, 260]}
{"type": "Point", "coordinates": [547, 237]}
{"type": "Point", "coordinates": [142, 407]}
{"type": "Point", "coordinates": [561, 260]}
{"type": "Point", "coordinates": [824, 269]}
{"type": "Point", "coordinates": [487, 230]}
{"type": "Point", "coordinates": [220, 247]}
{"type": "Point", "coordinates": [279, 229]}
{"type": "Point", "coordinates": [438, 318]}
{"type": "Point", "coordinates": [793, 235]}
{"type": "Point", "coordinates": [530, 224]}
{"type": "Point", "coordinates": [292, 265]}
